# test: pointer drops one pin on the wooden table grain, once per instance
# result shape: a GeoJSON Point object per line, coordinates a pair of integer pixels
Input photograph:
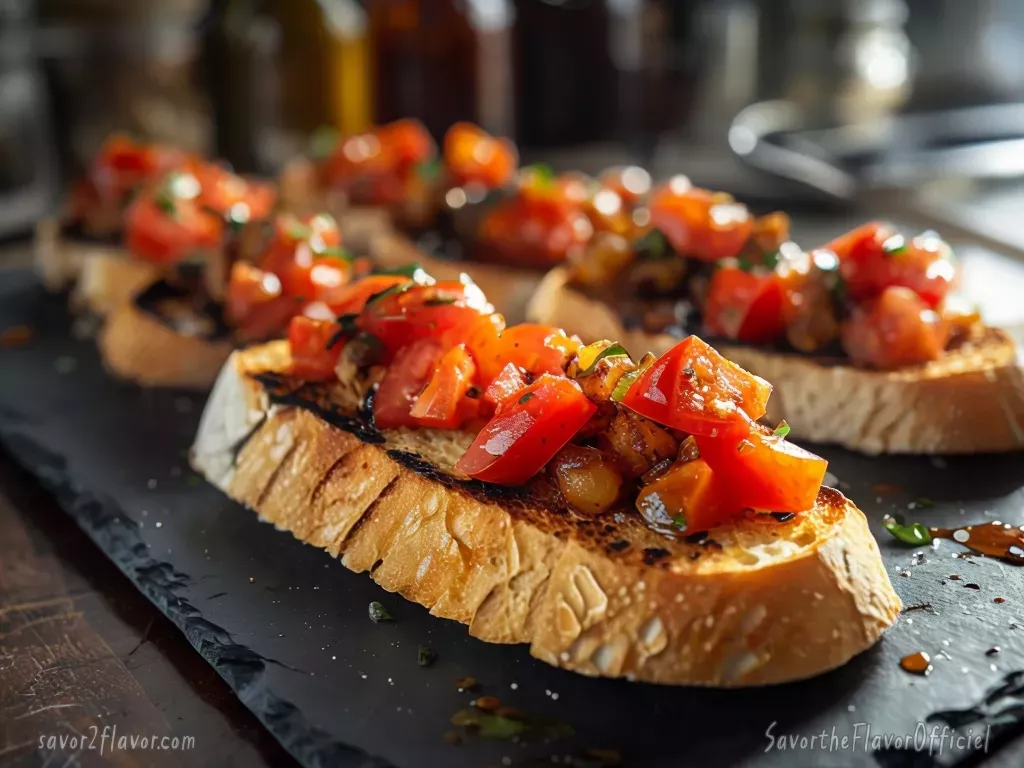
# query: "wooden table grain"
{"type": "Point", "coordinates": [84, 655]}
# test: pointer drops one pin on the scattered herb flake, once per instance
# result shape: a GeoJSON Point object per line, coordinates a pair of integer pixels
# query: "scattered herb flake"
{"type": "Point", "coordinates": [406, 270]}
{"type": "Point", "coordinates": [771, 259]}
{"type": "Point", "coordinates": [914, 534]}
{"type": "Point", "coordinates": [337, 253]}
{"type": "Point", "coordinates": [615, 350]}
{"type": "Point", "coordinates": [744, 263]}
{"type": "Point", "coordinates": [526, 398]}
{"type": "Point", "coordinates": [440, 301]}
{"type": "Point", "coordinates": [542, 173]}
{"type": "Point", "coordinates": [679, 521]}
{"type": "Point", "coordinates": [653, 244]}
{"type": "Point", "coordinates": [193, 481]}
{"type": "Point", "coordinates": [425, 656]}
{"type": "Point", "coordinates": [429, 170]}
{"type": "Point", "coordinates": [379, 613]}
{"type": "Point", "coordinates": [394, 289]}
{"type": "Point", "coordinates": [783, 429]}
{"type": "Point", "coordinates": [894, 246]}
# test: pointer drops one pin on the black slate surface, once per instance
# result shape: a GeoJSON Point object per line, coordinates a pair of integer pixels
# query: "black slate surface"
{"type": "Point", "coordinates": [288, 627]}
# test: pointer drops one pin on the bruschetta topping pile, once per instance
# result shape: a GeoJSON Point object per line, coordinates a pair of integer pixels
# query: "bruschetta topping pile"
{"type": "Point", "coordinates": [678, 435]}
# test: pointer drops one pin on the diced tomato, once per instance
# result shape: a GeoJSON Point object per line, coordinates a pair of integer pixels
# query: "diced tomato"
{"type": "Point", "coordinates": [698, 223]}
{"type": "Point", "coordinates": [443, 404]}
{"type": "Point", "coordinates": [406, 377]}
{"type": "Point", "coordinates": [313, 355]}
{"type": "Point", "coordinates": [518, 442]}
{"type": "Point", "coordinates": [123, 164]}
{"type": "Point", "coordinates": [232, 196]}
{"type": "Point", "coordinates": [254, 304]}
{"type": "Point", "coordinates": [898, 329]}
{"type": "Point", "coordinates": [694, 389]}
{"type": "Point", "coordinates": [689, 497]}
{"type": "Point", "coordinates": [473, 156]}
{"type": "Point", "coordinates": [424, 311]}
{"type": "Point", "coordinates": [353, 297]}
{"type": "Point", "coordinates": [631, 182]}
{"type": "Point", "coordinates": [875, 256]}
{"type": "Point", "coordinates": [483, 338]}
{"type": "Point", "coordinates": [745, 306]}
{"type": "Point", "coordinates": [408, 141]}
{"type": "Point", "coordinates": [165, 225]}
{"type": "Point", "coordinates": [535, 227]}
{"type": "Point", "coordinates": [764, 470]}
{"type": "Point", "coordinates": [297, 247]}
{"type": "Point", "coordinates": [538, 348]}
{"type": "Point", "coordinates": [504, 387]}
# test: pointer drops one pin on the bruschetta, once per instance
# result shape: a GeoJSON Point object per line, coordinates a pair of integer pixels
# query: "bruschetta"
{"type": "Point", "coordinates": [625, 518]}
{"type": "Point", "coordinates": [862, 337]}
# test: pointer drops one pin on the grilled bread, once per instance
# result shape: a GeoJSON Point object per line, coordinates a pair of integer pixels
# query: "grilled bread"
{"type": "Point", "coordinates": [754, 602]}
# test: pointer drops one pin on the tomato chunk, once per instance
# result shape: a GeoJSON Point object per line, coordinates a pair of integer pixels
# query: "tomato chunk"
{"type": "Point", "coordinates": [165, 224]}
{"type": "Point", "coordinates": [745, 306]}
{"type": "Point", "coordinates": [505, 386]}
{"type": "Point", "coordinates": [423, 311]}
{"type": "Point", "coordinates": [443, 404]}
{"type": "Point", "coordinates": [297, 247]}
{"type": "Point", "coordinates": [698, 223]}
{"type": "Point", "coordinates": [406, 377]}
{"type": "Point", "coordinates": [764, 470]}
{"type": "Point", "coordinates": [232, 196]}
{"type": "Point", "coordinates": [353, 297]}
{"type": "Point", "coordinates": [536, 227]}
{"type": "Point", "coordinates": [896, 330]}
{"type": "Point", "coordinates": [473, 156]}
{"type": "Point", "coordinates": [313, 355]}
{"type": "Point", "coordinates": [689, 497]}
{"type": "Point", "coordinates": [517, 443]}
{"type": "Point", "coordinates": [254, 304]}
{"type": "Point", "coordinates": [875, 256]}
{"type": "Point", "coordinates": [694, 389]}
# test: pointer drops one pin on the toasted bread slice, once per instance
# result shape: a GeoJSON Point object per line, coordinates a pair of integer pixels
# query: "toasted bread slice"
{"type": "Point", "coordinates": [508, 288]}
{"type": "Point", "coordinates": [144, 346]}
{"type": "Point", "coordinates": [102, 276]}
{"type": "Point", "coordinates": [756, 602]}
{"type": "Point", "coordinates": [969, 401]}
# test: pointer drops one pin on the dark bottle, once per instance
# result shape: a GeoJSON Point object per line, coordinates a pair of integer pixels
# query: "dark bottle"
{"type": "Point", "coordinates": [565, 78]}
{"type": "Point", "coordinates": [442, 61]}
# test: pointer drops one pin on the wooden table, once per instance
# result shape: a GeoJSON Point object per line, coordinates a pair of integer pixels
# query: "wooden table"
{"type": "Point", "coordinates": [82, 652]}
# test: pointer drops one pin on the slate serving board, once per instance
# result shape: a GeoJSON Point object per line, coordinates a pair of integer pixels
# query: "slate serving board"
{"type": "Point", "coordinates": [288, 628]}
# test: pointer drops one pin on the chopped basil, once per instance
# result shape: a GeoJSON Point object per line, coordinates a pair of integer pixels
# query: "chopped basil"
{"type": "Point", "coordinates": [323, 142]}
{"type": "Point", "coordinates": [429, 170]}
{"type": "Point", "coordinates": [165, 203]}
{"type": "Point", "coordinates": [425, 656]}
{"type": "Point", "coordinates": [347, 329]}
{"type": "Point", "coordinates": [542, 172]}
{"type": "Point", "coordinates": [439, 301]}
{"type": "Point", "coordinates": [615, 350]}
{"type": "Point", "coordinates": [653, 244]}
{"type": "Point", "coordinates": [526, 398]}
{"type": "Point", "coordinates": [394, 289]}
{"type": "Point", "coordinates": [679, 521]}
{"type": "Point", "coordinates": [839, 288]}
{"type": "Point", "coordinates": [771, 259]}
{"type": "Point", "coordinates": [406, 270]}
{"type": "Point", "coordinates": [299, 231]}
{"type": "Point", "coordinates": [894, 246]}
{"type": "Point", "coordinates": [379, 613]}
{"type": "Point", "coordinates": [337, 253]}
{"type": "Point", "coordinates": [490, 726]}
{"type": "Point", "coordinates": [624, 383]}
{"type": "Point", "coordinates": [914, 534]}
{"type": "Point", "coordinates": [783, 429]}
{"type": "Point", "coordinates": [744, 263]}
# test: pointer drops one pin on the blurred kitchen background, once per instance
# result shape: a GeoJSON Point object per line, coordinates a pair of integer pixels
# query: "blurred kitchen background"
{"type": "Point", "coordinates": [911, 108]}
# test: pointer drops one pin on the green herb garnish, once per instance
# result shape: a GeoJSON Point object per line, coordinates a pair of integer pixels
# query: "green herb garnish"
{"type": "Point", "coordinates": [653, 244]}
{"type": "Point", "coordinates": [615, 350]}
{"type": "Point", "coordinates": [489, 725]}
{"type": "Point", "coordinates": [783, 429]}
{"type": "Point", "coordinates": [429, 170]}
{"type": "Point", "coordinates": [379, 613]}
{"type": "Point", "coordinates": [440, 301]}
{"type": "Point", "coordinates": [624, 383]}
{"type": "Point", "coordinates": [337, 253]}
{"type": "Point", "coordinates": [839, 288]}
{"type": "Point", "coordinates": [771, 259]}
{"type": "Point", "coordinates": [894, 246]}
{"type": "Point", "coordinates": [394, 289]}
{"type": "Point", "coordinates": [542, 173]}
{"type": "Point", "coordinates": [526, 398]}
{"type": "Point", "coordinates": [406, 270]}
{"type": "Point", "coordinates": [679, 521]}
{"type": "Point", "coordinates": [425, 656]}
{"type": "Point", "coordinates": [744, 263]}
{"type": "Point", "coordinates": [193, 481]}
{"type": "Point", "coordinates": [914, 534]}
{"type": "Point", "coordinates": [347, 329]}
{"type": "Point", "coordinates": [298, 231]}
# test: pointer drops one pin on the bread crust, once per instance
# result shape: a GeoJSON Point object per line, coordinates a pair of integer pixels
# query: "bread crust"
{"type": "Point", "coordinates": [969, 401]}
{"type": "Point", "coordinates": [508, 288]}
{"type": "Point", "coordinates": [137, 346]}
{"type": "Point", "coordinates": [764, 602]}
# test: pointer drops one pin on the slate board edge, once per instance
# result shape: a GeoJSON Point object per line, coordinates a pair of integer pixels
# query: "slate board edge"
{"type": "Point", "coordinates": [241, 668]}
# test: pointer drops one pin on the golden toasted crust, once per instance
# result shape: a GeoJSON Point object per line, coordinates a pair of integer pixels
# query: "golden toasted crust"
{"type": "Point", "coordinates": [508, 288]}
{"type": "Point", "coordinates": [969, 401]}
{"type": "Point", "coordinates": [757, 602]}
{"type": "Point", "coordinates": [137, 346]}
